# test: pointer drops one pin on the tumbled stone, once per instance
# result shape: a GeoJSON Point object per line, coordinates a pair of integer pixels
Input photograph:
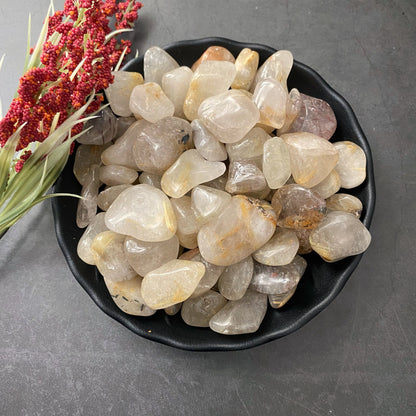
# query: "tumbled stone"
{"type": "Point", "coordinates": [311, 158]}
{"type": "Point", "coordinates": [270, 98]}
{"type": "Point", "coordinates": [150, 179]}
{"type": "Point", "coordinates": [243, 227]}
{"type": "Point", "coordinates": [118, 93]}
{"type": "Point", "coordinates": [235, 279]}
{"type": "Point", "coordinates": [156, 63]}
{"type": "Point", "coordinates": [276, 162]}
{"type": "Point", "coordinates": [242, 316]}
{"type": "Point", "coordinates": [122, 124]}
{"type": "Point", "coordinates": [229, 116]}
{"type": "Point", "coordinates": [173, 310]}
{"type": "Point", "coordinates": [171, 283]}
{"type": "Point", "coordinates": [199, 310]}
{"type": "Point", "coordinates": [274, 280]}
{"type": "Point", "coordinates": [188, 226]}
{"type": "Point", "coordinates": [329, 186]}
{"type": "Point", "coordinates": [108, 252]}
{"type": "Point", "coordinates": [147, 256]}
{"type": "Point", "coordinates": [339, 235]}
{"type": "Point", "coordinates": [109, 195]}
{"type": "Point", "coordinates": [214, 53]}
{"type": "Point", "coordinates": [158, 145]}
{"type": "Point", "coordinates": [207, 203]}
{"type": "Point", "coordinates": [190, 170]}
{"type": "Point", "coordinates": [117, 175]}
{"type": "Point", "coordinates": [351, 165]}
{"type": "Point", "coordinates": [277, 301]}
{"type": "Point", "coordinates": [293, 106]}
{"type": "Point", "coordinates": [280, 250]}
{"type": "Point", "coordinates": [246, 65]}
{"type": "Point", "coordinates": [303, 236]}
{"type": "Point", "coordinates": [315, 116]}
{"type": "Point", "coordinates": [345, 202]}
{"type": "Point", "coordinates": [99, 130]}
{"type": "Point", "coordinates": [210, 78]}
{"type": "Point", "coordinates": [218, 183]}
{"type": "Point", "coordinates": [150, 102]}
{"type": "Point", "coordinates": [249, 147]}
{"type": "Point", "coordinates": [206, 143]}
{"type": "Point", "coordinates": [298, 207]}
{"type": "Point", "coordinates": [128, 297]}
{"type": "Point", "coordinates": [96, 226]}
{"type": "Point", "coordinates": [142, 212]}
{"type": "Point", "coordinates": [85, 156]}
{"type": "Point", "coordinates": [245, 177]}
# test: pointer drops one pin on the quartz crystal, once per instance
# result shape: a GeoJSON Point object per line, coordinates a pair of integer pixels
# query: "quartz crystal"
{"type": "Point", "coordinates": [274, 280]}
{"type": "Point", "coordinates": [85, 156]}
{"type": "Point", "coordinates": [150, 179]}
{"type": "Point", "coordinates": [214, 53]}
{"type": "Point", "coordinates": [229, 116]}
{"type": "Point", "coordinates": [99, 130]}
{"type": "Point", "coordinates": [117, 175]}
{"type": "Point", "coordinates": [276, 162]}
{"type": "Point", "coordinates": [243, 227]}
{"type": "Point", "coordinates": [329, 186]}
{"type": "Point", "coordinates": [96, 226]}
{"type": "Point", "coordinates": [109, 195]}
{"type": "Point", "coordinates": [118, 93]}
{"type": "Point", "coordinates": [249, 147]}
{"type": "Point", "coordinates": [206, 143]}
{"type": "Point", "coordinates": [218, 183]}
{"type": "Point", "coordinates": [246, 65]}
{"type": "Point", "coordinates": [188, 226]}
{"type": "Point", "coordinates": [210, 78]}
{"type": "Point", "coordinates": [199, 310]}
{"type": "Point", "coordinates": [235, 279]}
{"type": "Point", "coordinates": [158, 145]}
{"type": "Point", "coordinates": [123, 123]}
{"type": "Point", "coordinates": [171, 283]}
{"type": "Point", "coordinates": [277, 301]}
{"type": "Point", "coordinates": [280, 249]}
{"type": "Point", "coordinates": [340, 234]}
{"type": "Point", "coordinates": [245, 177]}
{"type": "Point", "coordinates": [345, 202]}
{"type": "Point", "coordinates": [311, 158]}
{"type": "Point", "coordinates": [108, 251]}
{"type": "Point", "coordinates": [242, 316]}
{"type": "Point", "coordinates": [147, 256]}
{"type": "Point", "coordinates": [127, 295]}
{"type": "Point", "coordinates": [293, 106]}
{"type": "Point", "coordinates": [190, 170]}
{"type": "Point", "coordinates": [150, 102]}
{"type": "Point", "coordinates": [303, 236]}
{"type": "Point", "coordinates": [142, 212]}
{"type": "Point", "coordinates": [156, 63]}
{"type": "Point", "coordinates": [173, 310]}
{"type": "Point", "coordinates": [351, 165]}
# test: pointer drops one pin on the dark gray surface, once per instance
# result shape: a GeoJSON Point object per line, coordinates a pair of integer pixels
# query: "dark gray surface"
{"type": "Point", "coordinates": [59, 354]}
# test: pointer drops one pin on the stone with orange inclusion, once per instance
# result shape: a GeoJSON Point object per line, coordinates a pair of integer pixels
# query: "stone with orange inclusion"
{"type": "Point", "coordinates": [214, 53]}
{"type": "Point", "coordinates": [246, 65]}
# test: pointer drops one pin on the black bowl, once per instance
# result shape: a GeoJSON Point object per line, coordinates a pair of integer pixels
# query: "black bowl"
{"type": "Point", "coordinates": [321, 282]}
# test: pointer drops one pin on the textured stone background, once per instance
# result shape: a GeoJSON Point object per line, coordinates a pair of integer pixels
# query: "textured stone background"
{"type": "Point", "coordinates": [60, 355]}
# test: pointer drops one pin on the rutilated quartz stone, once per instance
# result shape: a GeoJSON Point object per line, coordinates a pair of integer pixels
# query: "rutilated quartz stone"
{"type": "Point", "coordinates": [329, 186]}
{"type": "Point", "coordinates": [173, 310]}
{"type": "Point", "coordinates": [276, 162]}
{"type": "Point", "coordinates": [345, 202]}
{"type": "Point", "coordinates": [303, 236]}
{"type": "Point", "coordinates": [117, 175]}
{"type": "Point", "coordinates": [150, 179]}
{"type": "Point", "coordinates": [277, 301]}
{"type": "Point", "coordinates": [100, 130]}
{"type": "Point", "coordinates": [214, 53]}
{"type": "Point", "coordinates": [122, 124]}
{"type": "Point", "coordinates": [245, 177]}
{"type": "Point", "coordinates": [246, 65]}
{"type": "Point", "coordinates": [85, 156]}
{"type": "Point", "coordinates": [293, 106]}
{"type": "Point", "coordinates": [109, 195]}
{"type": "Point", "coordinates": [188, 226]}
{"type": "Point", "coordinates": [250, 147]}
{"type": "Point", "coordinates": [156, 63]}
{"type": "Point", "coordinates": [206, 143]}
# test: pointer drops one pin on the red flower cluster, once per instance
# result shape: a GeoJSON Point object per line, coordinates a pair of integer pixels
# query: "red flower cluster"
{"type": "Point", "coordinates": [76, 60]}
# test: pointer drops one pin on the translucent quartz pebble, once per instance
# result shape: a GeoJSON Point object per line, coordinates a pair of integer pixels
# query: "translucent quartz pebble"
{"type": "Point", "coordinates": [146, 256]}
{"type": "Point", "coordinates": [198, 311]}
{"type": "Point", "coordinates": [293, 106]}
{"type": "Point", "coordinates": [118, 93]}
{"type": "Point", "coordinates": [274, 280]}
{"type": "Point", "coordinates": [235, 279]}
{"type": "Point", "coordinates": [207, 203]}
{"type": "Point", "coordinates": [340, 234]}
{"type": "Point", "coordinates": [122, 124]}
{"type": "Point", "coordinates": [85, 156]}
{"type": "Point", "coordinates": [276, 162]}
{"type": "Point", "coordinates": [229, 116]}
{"type": "Point", "coordinates": [299, 207]}
{"type": "Point", "coordinates": [175, 83]}
{"type": "Point", "coordinates": [128, 297]}
{"type": "Point", "coordinates": [351, 165]}
{"type": "Point", "coordinates": [117, 175]}
{"type": "Point", "coordinates": [329, 186]}
{"type": "Point", "coordinates": [206, 143]}
{"type": "Point", "coordinates": [171, 283]}
{"type": "Point", "coordinates": [303, 236]}
{"type": "Point", "coordinates": [311, 158]}
{"type": "Point", "coordinates": [173, 310]}
{"type": "Point", "coordinates": [280, 250]}
{"type": "Point", "coordinates": [270, 98]}
{"type": "Point", "coordinates": [142, 212]}
{"type": "Point", "coordinates": [210, 78]}
{"type": "Point", "coordinates": [249, 147]}
{"type": "Point", "coordinates": [218, 183]}
{"type": "Point", "coordinates": [108, 251]}
{"type": "Point", "coordinates": [345, 202]}
{"type": "Point", "coordinates": [243, 227]}
{"type": "Point", "coordinates": [159, 145]}
{"type": "Point", "coordinates": [156, 63]}
{"type": "Point", "coordinates": [214, 53]}
{"type": "Point", "coordinates": [150, 102]}
{"type": "Point", "coordinates": [87, 207]}
{"type": "Point", "coordinates": [277, 301]}
{"type": "Point", "coordinates": [188, 226]}
{"type": "Point", "coordinates": [267, 129]}
{"type": "Point", "coordinates": [108, 196]}
{"type": "Point", "coordinates": [96, 226]}
{"type": "Point", "coordinates": [190, 170]}
{"type": "Point", "coordinates": [211, 275]}
{"type": "Point", "coordinates": [101, 129]}
{"type": "Point", "coordinates": [245, 177]}
{"type": "Point", "coordinates": [246, 65]}
{"type": "Point", "coordinates": [150, 179]}
{"type": "Point", "coordinates": [242, 316]}
{"type": "Point", "coordinates": [315, 116]}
